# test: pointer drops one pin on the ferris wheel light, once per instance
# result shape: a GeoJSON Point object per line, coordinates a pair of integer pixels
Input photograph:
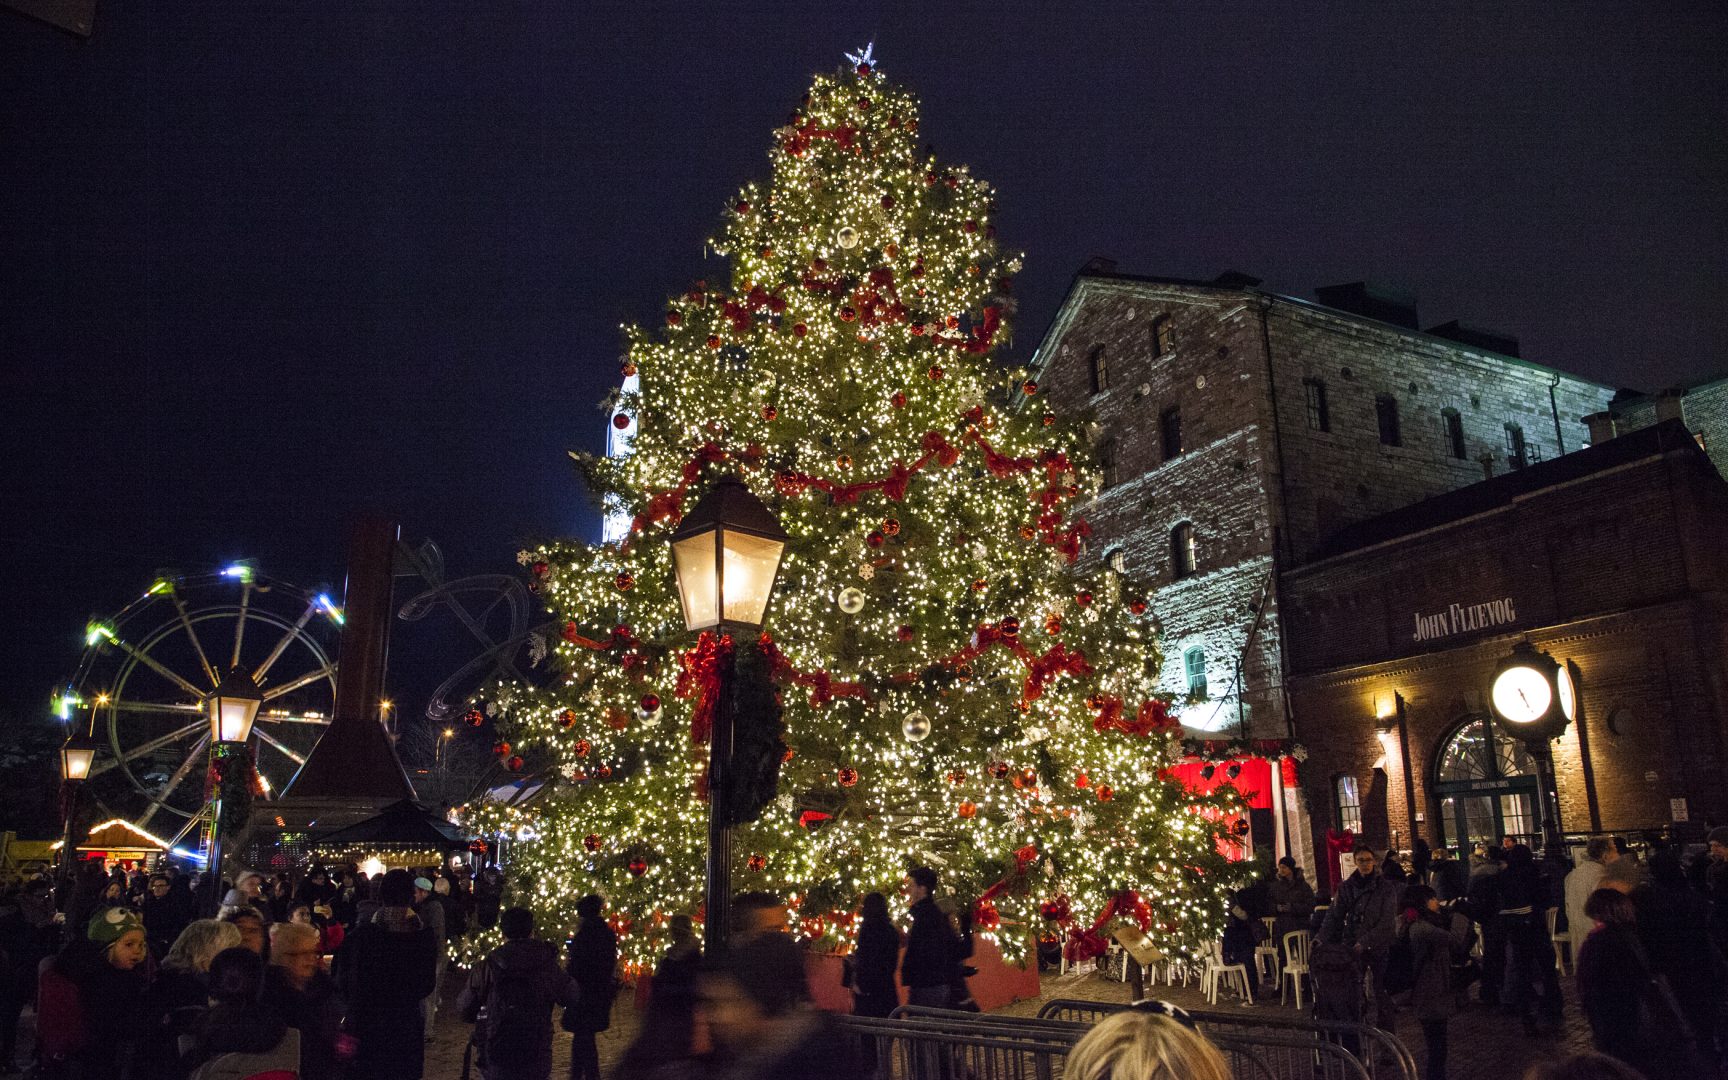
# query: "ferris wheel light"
{"type": "Point", "coordinates": [95, 632]}
{"type": "Point", "coordinates": [162, 585]}
{"type": "Point", "coordinates": [238, 571]}
{"type": "Point", "coordinates": [331, 609]}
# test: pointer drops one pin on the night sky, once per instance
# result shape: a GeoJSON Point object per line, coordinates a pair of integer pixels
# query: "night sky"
{"type": "Point", "coordinates": [264, 266]}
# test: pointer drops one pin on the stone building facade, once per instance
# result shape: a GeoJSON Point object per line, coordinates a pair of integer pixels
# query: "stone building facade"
{"type": "Point", "coordinates": [1239, 428]}
{"type": "Point", "coordinates": [1703, 408]}
{"type": "Point", "coordinates": [1610, 560]}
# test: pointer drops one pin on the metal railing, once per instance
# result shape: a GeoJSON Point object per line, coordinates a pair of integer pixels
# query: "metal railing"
{"type": "Point", "coordinates": [1381, 1054]}
{"type": "Point", "coordinates": [937, 1044]}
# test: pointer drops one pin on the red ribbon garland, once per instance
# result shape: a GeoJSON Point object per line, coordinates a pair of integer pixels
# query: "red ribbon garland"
{"type": "Point", "coordinates": [1087, 943]}
{"type": "Point", "coordinates": [984, 913]}
{"type": "Point", "coordinates": [823, 686]}
{"type": "Point", "coordinates": [700, 678]}
{"type": "Point", "coordinates": [1154, 717]}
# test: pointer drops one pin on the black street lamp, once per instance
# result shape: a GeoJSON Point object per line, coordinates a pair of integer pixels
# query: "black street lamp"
{"type": "Point", "coordinates": [76, 757]}
{"type": "Point", "coordinates": [1534, 700]}
{"type": "Point", "coordinates": [726, 554]}
{"type": "Point", "coordinates": [231, 708]}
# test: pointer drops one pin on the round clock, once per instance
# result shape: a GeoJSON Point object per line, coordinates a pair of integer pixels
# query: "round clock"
{"type": "Point", "coordinates": [1522, 694]}
{"type": "Point", "coordinates": [1568, 692]}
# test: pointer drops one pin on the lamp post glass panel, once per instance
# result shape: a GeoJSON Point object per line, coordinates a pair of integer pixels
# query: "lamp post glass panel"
{"type": "Point", "coordinates": [1534, 700]}
{"type": "Point", "coordinates": [76, 757]}
{"type": "Point", "coordinates": [231, 708]}
{"type": "Point", "coordinates": [726, 554]}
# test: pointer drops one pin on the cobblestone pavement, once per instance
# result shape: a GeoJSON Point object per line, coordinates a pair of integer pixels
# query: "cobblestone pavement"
{"type": "Point", "coordinates": [1485, 1043]}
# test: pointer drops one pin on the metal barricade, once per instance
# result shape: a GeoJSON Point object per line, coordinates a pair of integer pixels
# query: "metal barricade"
{"type": "Point", "coordinates": [939, 1044]}
{"type": "Point", "coordinates": [1383, 1056]}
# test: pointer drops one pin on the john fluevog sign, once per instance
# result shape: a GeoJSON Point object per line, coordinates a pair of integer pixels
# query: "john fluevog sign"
{"type": "Point", "coordinates": [1464, 619]}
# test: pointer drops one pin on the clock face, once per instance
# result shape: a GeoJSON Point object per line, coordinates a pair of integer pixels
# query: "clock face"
{"type": "Point", "coordinates": [1568, 693]}
{"type": "Point", "coordinates": [1522, 695]}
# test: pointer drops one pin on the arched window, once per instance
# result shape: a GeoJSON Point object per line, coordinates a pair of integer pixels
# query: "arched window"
{"type": "Point", "coordinates": [1107, 462]}
{"type": "Point", "coordinates": [1100, 366]}
{"type": "Point", "coordinates": [1516, 453]}
{"type": "Point", "coordinates": [1486, 784]}
{"type": "Point", "coordinates": [1454, 432]}
{"type": "Point", "coordinates": [1194, 667]}
{"type": "Point", "coordinates": [1349, 804]}
{"type": "Point", "coordinates": [1386, 413]}
{"type": "Point", "coordinates": [1182, 550]}
{"type": "Point", "coordinates": [1116, 559]}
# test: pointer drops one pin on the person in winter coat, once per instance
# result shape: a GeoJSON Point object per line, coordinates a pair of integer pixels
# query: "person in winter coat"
{"type": "Point", "coordinates": [758, 1010]}
{"type": "Point", "coordinates": [1421, 859]}
{"type": "Point", "coordinates": [176, 1002]}
{"type": "Point", "coordinates": [297, 988]}
{"type": "Point", "coordinates": [164, 915]}
{"type": "Point", "coordinates": [663, 1042]}
{"type": "Point", "coordinates": [1585, 879]}
{"type": "Point", "coordinates": [28, 936]}
{"type": "Point", "coordinates": [1716, 884]}
{"type": "Point", "coordinates": [1613, 975]}
{"type": "Point", "coordinates": [1673, 926]}
{"type": "Point", "coordinates": [1364, 916]}
{"type": "Point", "coordinates": [488, 896]}
{"type": "Point", "coordinates": [240, 1037]}
{"type": "Point", "coordinates": [874, 992]}
{"type": "Point", "coordinates": [1436, 938]}
{"type": "Point", "coordinates": [592, 962]}
{"type": "Point", "coordinates": [1531, 979]}
{"type": "Point", "coordinates": [1483, 900]}
{"type": "Point", "coordinates": [1448, 877]}
{"type": "Point", "coordinates": [932, 946]}
{"type": "Point", "coordinates": [384, 970]}
{"type": "Point", "coordinates": [1292, 900]}
{"type": "Point", "coordinates": [517, 986]}
{"type": "Point", "coordinates": [91, 1008]}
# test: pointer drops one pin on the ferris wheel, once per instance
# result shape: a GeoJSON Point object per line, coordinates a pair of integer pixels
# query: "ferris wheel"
{"type": "Point", "coordinates": [148, 671]}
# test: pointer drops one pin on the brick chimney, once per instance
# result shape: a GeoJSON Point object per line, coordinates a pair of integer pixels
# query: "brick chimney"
{"type": "Point", "coordinates": [1601, 425]}
{"type": "Point", "coordinates": [1668, 404]}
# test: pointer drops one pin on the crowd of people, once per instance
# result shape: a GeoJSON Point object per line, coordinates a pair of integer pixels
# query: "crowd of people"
{"type": "Point", "coordinates": [1424, 932]}
{"type": "Point", "coordinates": [333, 974]}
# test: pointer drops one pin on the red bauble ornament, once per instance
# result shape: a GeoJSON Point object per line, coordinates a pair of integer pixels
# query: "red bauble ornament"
{"type": "Point", "coordinates": [1026, 778]}
{"type": "Point", "coordinates": [1028, 388]}
{"type": "Point", "coordinates": [515, 763]}
{"type": "Point", "coordinates": [567, 719]}
{"type": "Point", "coordinates": [1137, 606]}
{"type": "Point", "coordinates": [770, 413]}
{"type": "Point", "coordinates": [848, 314]}
{"type": "Point", "coordinates": [591, 841]}
{"type": "Point", "coordinates": [582, 747]}
{"type": "Point", "coordinates": [620, 421]}
{"type": "Point", "coordinates": [891, 250]}
{"type": "Point", "coordinates": [1082, 781]}
{"type": "Point", "coordinates": [930, 179]}
{"type": "Point", "coordinates": [1052, 625]}
{"type": "Point", "coordinates": [898, 400]}
{"type": "Point", "coordinates": [617, 720]}
{"type": "Point", "coordinates": [1027, 532]}
{"type": "Point", "coordinates": [1010, 626]}
{"type": "Point", "coordinates": [799, 329]}
{"type": "Point", "coordinates": [971, 226]}
{"type": "Point", "coordinates": [906, 633]}
{"type": "Point", "coordinates": [998, 769]}
{"type": "Point", "coordinates": [875, 538]}
{"type": "Point", "coordinates": [743, 207]}
{"type": "Point", "coordinates": [604, 772]}
{"type": "Point", "coordinates": [713, 341]}
{"type": "Point", "coordinates": [501, 748]}
{"type": "Point", "coordinates": [957, 776]}
{"type": "Point", "coordinates": [863, 69]}
{"type": "Point", "coordinates": [1084, 598]}
{"type": "Point", "coordinates": [474, 718]}
{"type": "Point", "coordinates": [756, 864]}
{"type": "Point", "coordinates": [967, 809]}
{"type": "Point", "coordinates": [891, 527]}
{"type": "Point", "coordinates": [952, 322]}
{"type": "Point", "coordinates": [936, 373]}
{"type": "Point", "coordinates": [864, 104]}
{"type": "Point", "coordinates": [1105, 794]}
{"type": "Point", "coordinates": [625, 581]}
{"type": "Point", "coordinates": [638, 866]}
{"type": "Point", "coordinates": [979, 584]}
{"type": "Point", "coordinates": [650, 704]}
{"type": "Point", "coordinates": [540, 568]}
{"type": "Point", "coordinates": [917, 329]}
{"type": "Point", "coordinates": [673, 318]}
{"type": "Point", "coordinates": [888, 204]}
{"type": "Point", "coordinates": [847, 775]}
{"type": "Point", "coordinates": [951, 180]}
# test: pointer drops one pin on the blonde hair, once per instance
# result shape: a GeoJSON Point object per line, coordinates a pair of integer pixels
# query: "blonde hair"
{"type": "Point", "coordinates": [199, 943]}
{"type": "Point", "coordinates": [281, 932]}
{"type": "Point", "coordinates": [1144, 1046]}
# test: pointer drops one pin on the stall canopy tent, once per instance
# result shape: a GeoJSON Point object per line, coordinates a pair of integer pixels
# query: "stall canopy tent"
{"type": "Point", "coordinates": [404, 826]}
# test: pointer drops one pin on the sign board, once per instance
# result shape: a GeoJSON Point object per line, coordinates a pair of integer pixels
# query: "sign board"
{"type": "Point", "coordinates": [1464, 619]}
{"type": "Point", "coordinates": [1677, 810]}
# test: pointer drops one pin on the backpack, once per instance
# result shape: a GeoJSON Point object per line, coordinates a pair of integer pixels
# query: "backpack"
{"type": "Point", "coordinates": [517, 1017]}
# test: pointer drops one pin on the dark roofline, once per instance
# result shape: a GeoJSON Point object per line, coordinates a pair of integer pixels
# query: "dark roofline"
{"type": "Point", "coordinates": [1085, 274]}
{"type": "Point", "coordinates": [1487, 496]}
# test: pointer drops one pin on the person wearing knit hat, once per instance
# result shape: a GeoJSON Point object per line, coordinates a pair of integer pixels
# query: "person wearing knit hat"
{"type": "Point", "coordinates": [120, 932]}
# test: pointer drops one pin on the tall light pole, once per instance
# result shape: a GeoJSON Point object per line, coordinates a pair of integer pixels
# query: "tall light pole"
{"type": "Point", "coordinates": [1534, 700]}
{"type": "Point", "coordinates": [231, 708]}
{"type": "Point", "coordinates": [76, 757]}
{"type": "Point", "coordinates": [726, 554]}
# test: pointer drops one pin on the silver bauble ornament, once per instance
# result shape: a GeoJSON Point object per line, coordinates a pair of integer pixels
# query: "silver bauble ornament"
{"type": "Point", "coordinates": [847, 237]}
{"type": "Point", "coordinates": [916, 727]}
{"type": "Point", "coordinates": [851, 600]}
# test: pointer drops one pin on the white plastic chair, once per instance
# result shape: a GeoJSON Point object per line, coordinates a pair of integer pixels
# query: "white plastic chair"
{"type": "Point", "coordinates": [1266, 954]}
{"type": "Point", "coordinates": [1562, 943]}
{"type": "Point", "coordinates": [1295, 964]}
{"type": "Point", "coordinates": [1217, 973]}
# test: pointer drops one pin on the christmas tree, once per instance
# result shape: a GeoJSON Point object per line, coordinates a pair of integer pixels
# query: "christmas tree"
{"type": "Point", "coordinates": [952, 692]}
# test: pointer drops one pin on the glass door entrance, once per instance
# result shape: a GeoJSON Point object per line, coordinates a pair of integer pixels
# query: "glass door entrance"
{"type": "Point", "coordinates": [1486, 784]}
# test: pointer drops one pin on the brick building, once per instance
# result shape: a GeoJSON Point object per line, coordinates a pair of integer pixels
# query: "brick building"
{"type": "Point", "coordinates": [1703, 407]}
{"type": "Point", "coordinates": [1239, 428]}
{"type": "Point", "coordinates": [1610, 559]}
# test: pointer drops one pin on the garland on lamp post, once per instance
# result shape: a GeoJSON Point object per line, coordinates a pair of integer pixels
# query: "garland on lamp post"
{"type": "Point", "coordinates": [234, 779]}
